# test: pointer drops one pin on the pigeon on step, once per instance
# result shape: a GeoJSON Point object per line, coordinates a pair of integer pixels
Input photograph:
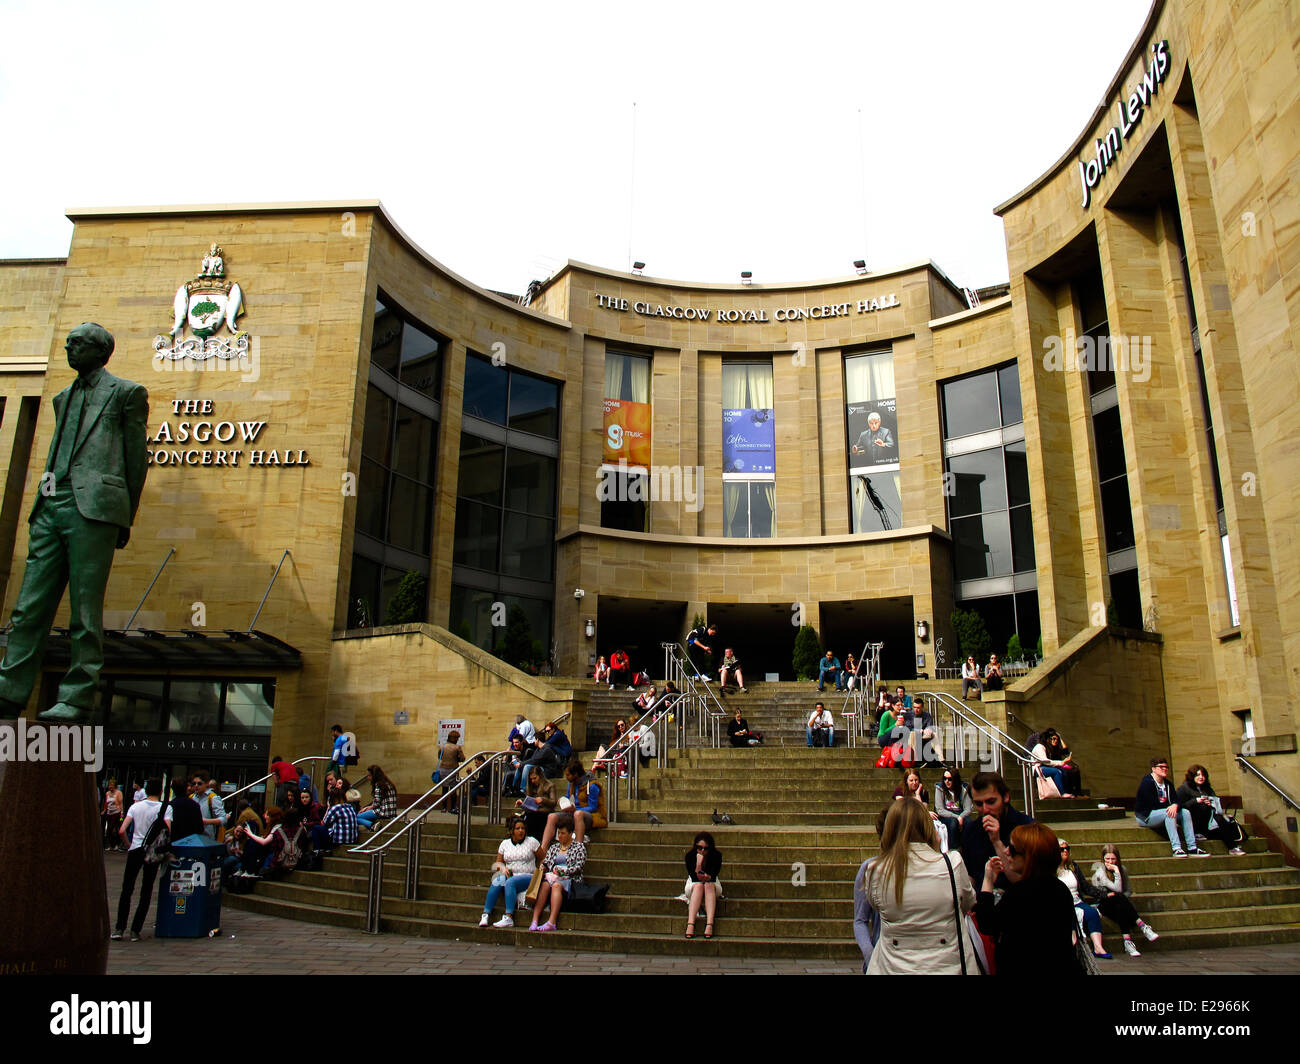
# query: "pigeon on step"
{"type": "Point", "coordinates": [726, 819]}
{"type": "Point", "coordinates": [652, 818]}
{"type": "Point", "coordinates": [716, 819]}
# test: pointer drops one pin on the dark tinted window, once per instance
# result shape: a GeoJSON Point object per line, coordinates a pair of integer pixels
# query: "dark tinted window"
{"type": "Point", "coordinates": [982, 546]}
{"type": "Point", "coordinates": [1109, 439]}
{"type": "Point", "coordinates": [482, 465]}
{"type": "Point", "coordinates": [979, 482]}
{"type": "Point", "coordinates": [485, 390]}
{"type": "Point", "coordinates": [1118, 515]}
{"type": "Point", "coordinates": [970, 405]}
{"type": "Point", "coordinates": [1017, 474]}
{"type": "Point", "coordinates": [416, 438]}
{"type": "Point", "coordinates": [530, 483]}
{"type": "Point", "coordinates": [1009, 391]}
{"type": "Point", "coordinates": [534, 405]}
{"type": "Point", "coordinates": [1022, 539]}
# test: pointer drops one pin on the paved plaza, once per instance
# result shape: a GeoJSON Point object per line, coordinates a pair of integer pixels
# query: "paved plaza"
{"type": "Point", "coordinates": [251, 944]}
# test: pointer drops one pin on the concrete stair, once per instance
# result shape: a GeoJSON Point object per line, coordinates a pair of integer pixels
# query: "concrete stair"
{"type": "Point", "coordinates": [778, 710]}
{"type": "Point", "coordinates": [804, 822]}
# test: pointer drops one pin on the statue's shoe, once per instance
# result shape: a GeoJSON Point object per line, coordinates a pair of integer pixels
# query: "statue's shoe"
{"type": "Point", "coordinates": [63, 713]}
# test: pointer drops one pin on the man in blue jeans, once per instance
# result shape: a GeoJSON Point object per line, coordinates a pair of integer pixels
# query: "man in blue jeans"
{"type": "Point", "coordinates": [821, 727]}
{"type": "Point", "coordinates": [1156, 809]}
{"type": "Point", "coordinates": [830, 666]}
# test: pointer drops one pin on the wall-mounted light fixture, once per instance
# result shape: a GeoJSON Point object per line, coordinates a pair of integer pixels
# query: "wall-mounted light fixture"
{"type": "Point", "coordinates": [922, 630]}
{"type": "Point", "coordinates": [860, 265]}
{"type": "Point", "coordinates": [591, 628]}
{"type": "Point", "coordinates": [746, 276]}
{"type": "Point", "coordinates": [637, 267]}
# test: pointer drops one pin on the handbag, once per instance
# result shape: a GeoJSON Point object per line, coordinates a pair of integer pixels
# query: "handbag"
{"type": "Point", "coordinates": [1083, 954]}
{"type": "Point", "coordinates": [586, 897]}
{"type": "Point", "coordinates": [534, 886]}
{"type": "Point", "coordinates": [1047, 788]}
{"type": "Point", "coordinates": [956, 915]}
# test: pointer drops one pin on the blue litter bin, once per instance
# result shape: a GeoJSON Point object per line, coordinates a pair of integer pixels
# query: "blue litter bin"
{"type": "Point", "coordinates": [189, 889]}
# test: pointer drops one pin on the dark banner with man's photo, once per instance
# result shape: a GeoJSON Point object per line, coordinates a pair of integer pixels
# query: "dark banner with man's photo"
{"type": "Point", "coordinates": [873, 433]}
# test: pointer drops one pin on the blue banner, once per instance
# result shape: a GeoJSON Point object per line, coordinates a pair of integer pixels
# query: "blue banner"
{"type": "Point", "coordinates": [748, 441]}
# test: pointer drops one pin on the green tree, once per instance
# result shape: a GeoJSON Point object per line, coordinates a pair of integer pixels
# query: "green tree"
{"type": "Point", "coordinates": [515, 647]}
{"type": "Point", "coordinates": [1014, 652]}
{"type": "Point", "coordinates": [1040, 648]}
{"type": "Point", "coordinates": [407, 604]}
{"type": "Point", "coordinates": [807, 649]}
{"type": "Point", "coordinates": [697, 621]}
{"type": "Point", "coordinates": [972, 637]}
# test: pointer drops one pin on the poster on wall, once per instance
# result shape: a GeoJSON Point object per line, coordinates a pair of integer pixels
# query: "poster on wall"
{"type": "Point", "coordinates": [748, 441]}
{"type": "Point", "coordinates": [446, 727]}
{"type": "Point", "coordinates": [627, 432]}
{"type": "Point", "coordinates": [873, 434]}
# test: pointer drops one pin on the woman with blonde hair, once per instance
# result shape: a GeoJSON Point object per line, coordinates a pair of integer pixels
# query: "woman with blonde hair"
{"type": "Point", "coordinates": [922, 897]}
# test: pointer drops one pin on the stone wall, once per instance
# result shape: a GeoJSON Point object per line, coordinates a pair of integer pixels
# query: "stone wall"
{"type": "Point", "coordinates": [431, 674]}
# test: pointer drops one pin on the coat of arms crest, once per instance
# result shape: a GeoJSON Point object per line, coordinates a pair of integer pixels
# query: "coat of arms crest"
{"type": "Point", "coordinates": [205, 304]}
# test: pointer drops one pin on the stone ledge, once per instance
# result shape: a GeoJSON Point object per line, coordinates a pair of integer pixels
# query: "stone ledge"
{"type": "Point", "coordinates": [534, 686]}
{"type": "Point", "coordinates": [1284, 743]}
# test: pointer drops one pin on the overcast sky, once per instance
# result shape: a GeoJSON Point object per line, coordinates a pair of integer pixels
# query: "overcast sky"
{"type": "Point", "coordinates": [786, 139]}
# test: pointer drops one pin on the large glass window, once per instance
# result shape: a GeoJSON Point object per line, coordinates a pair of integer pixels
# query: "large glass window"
{"type": "Point", "coordinates": [504, 544]}
{"type": "Point", "coordinates": [748, 450]}
{"type": "Point", "coordinates": [987, 488]}
{"type": "Point", "coordinates": [394, 516]}
{"type": "Point", "coordinates": [871, 418]}
{"type": "Point", "coordinates": [1108, 447]}
{"type": "Point", "coordinates": [406, 350]}
{"type": "Point", "coordinates": [188, 704]}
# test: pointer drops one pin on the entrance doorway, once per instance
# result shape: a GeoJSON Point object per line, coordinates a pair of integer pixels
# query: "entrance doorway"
{"type": "Point", "coordinates": [847, 626]}
{"type": "Point", "coordinates": [639, 626]}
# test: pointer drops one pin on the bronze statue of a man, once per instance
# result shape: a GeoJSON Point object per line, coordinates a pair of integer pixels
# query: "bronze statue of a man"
{"type": "Point", "coordinates": [84, 510]}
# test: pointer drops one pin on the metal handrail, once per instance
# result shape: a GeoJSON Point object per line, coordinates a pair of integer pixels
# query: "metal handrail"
{"type": "Point", "coordinates": [412, 830]}
{"type": "Point", "coordinates": [1241, 760]}
{"type": "Point", "coordinates": [676, 654]}
{"type": "Point", "coordinates": [1002, 743]}
{"type": "Point", "coordinates": [271, 775]}
{"type": "Point", "coordinates": [856, 718]}
{"type": "Point", "coordinates": [412, 827]}
{"type": "Point", "coordinates": [659, 711]}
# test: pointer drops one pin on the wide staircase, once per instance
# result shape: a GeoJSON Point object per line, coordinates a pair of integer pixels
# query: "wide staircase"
{"type": "Point", "coordinates": [803, 824]}
{"type": "Point", "coordinates": [778, 710]}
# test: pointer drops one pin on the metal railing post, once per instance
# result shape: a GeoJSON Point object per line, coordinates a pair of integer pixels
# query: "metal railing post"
{"type": "Point", "coordinates": [413, 861]}
{"type": "Point", "coordinates": [494, 792]}
{"type": "Point", "coordinates": [374, 889]}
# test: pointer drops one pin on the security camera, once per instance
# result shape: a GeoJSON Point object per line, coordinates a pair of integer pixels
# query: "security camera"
{"type": "Point", "coordinates": [579, 593]}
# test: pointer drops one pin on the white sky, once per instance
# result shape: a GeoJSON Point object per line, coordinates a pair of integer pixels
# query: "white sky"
{"type": "Point", "coordinates": [499, 135]}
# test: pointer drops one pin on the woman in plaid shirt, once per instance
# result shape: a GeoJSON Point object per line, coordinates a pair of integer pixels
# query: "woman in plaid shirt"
{"type": "Point", "coordinates": [383, 799]}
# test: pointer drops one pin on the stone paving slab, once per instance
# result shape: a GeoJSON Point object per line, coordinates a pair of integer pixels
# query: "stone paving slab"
{"type": "Point", "coordinates": [252, 944]}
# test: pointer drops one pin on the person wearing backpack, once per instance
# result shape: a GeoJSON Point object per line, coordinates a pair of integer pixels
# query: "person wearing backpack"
{"type": "Point", "coordinates": [280, 849]}
{"type": "Point", "coordinates": [139, 819]}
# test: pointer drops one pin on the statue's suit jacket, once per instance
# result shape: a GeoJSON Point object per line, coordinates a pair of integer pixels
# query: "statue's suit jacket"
{"type": "Point", "coordinates": [110, 456]}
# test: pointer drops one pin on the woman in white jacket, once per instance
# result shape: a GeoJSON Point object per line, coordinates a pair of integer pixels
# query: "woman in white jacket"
{"type": "Point", "coordinates": [911, 886]}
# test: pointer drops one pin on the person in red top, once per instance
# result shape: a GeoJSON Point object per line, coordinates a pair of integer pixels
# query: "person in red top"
{"type": "Point", "coordinates": [620, 669]}
{"type": "Point", "coordinates": [285, 774]}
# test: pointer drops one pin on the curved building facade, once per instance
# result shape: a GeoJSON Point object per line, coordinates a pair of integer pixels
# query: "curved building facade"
{"type": "Point", "coordinates": [368, 440]}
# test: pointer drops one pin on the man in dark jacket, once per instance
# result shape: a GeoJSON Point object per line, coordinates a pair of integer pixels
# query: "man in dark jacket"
{"type": "Point", "coordinates": [1156, 808]}
{"type": "Point", "coordinates": [991, 833]}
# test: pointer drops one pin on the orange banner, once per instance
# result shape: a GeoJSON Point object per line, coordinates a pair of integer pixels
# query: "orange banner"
{"type": "Point", "coordinates": [627, 432]}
